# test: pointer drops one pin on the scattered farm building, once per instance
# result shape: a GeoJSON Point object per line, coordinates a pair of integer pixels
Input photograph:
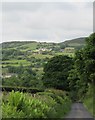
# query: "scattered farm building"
{"type": "Point", "coordinates": [69, 49]}
{"type": "Point", "coordinates": [40, 50]}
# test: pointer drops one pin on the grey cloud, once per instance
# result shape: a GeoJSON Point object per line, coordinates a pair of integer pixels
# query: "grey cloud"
{"type": "Point", "coordinates": [46, 21]}
{"type": "Point", "coordinates": [33, 6]}
{"type": "Point", "coordinates": [18, 6]}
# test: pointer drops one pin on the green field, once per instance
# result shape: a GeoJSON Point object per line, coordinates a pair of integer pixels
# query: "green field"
{"type": "Point", "coordinates": [15, 63]}
{"type": "Point", "coordinates": [21, 53]}
{"type": "Point", "coordinates": [30, 46]}
{"type": "Point", "coordinates": [65, 53]}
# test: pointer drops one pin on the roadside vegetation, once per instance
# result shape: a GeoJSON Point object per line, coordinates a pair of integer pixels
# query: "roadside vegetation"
{"type": "Point", "coordinates": [48, 104]}
{"type": "Point", "coordinates": [82, 76]}
{"type": "Point", "coordinates": [89, 101]}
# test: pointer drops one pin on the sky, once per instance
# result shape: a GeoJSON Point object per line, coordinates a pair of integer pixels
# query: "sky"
{"type": "Point", "coordinates": [46, 21]}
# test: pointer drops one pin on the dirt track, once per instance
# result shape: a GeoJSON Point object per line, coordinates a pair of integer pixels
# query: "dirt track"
{"type": "Point", "coordinates": [79, 111]}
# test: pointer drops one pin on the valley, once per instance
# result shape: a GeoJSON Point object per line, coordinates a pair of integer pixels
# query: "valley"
{"type": "Point", "coordinates": [44, 79]}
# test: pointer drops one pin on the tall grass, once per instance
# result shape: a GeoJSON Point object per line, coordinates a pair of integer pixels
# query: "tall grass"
{"type": "Point", "coordinates": [89, 100]}
{"type": "Point", "coordinates": [42, 105]}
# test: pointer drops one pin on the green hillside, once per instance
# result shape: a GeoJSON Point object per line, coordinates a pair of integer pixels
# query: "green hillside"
{"type": "Point", "coordinates": [77, 40]}
{"type": "Point", "coordinates": [33, 44]}
{"type": "Point", "coordinates": [76, 43]}
{"type": "Point", "coordinates": [33, 55]}
{"type": "Point", "coordinates": [29, 52]}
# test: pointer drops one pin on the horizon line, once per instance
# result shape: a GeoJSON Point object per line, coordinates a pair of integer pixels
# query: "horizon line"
{"type": "Point", "coordinates": [40, 41]}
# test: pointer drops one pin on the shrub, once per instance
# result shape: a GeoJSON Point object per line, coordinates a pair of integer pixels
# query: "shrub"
{"type": "Point", "coordinates": [57, 92]}
{"type": "Point", "coordinates": [58, 101]}
{"type": "Point", "coordinates": [42, 105]}
{"type": "Point", "coordinates": [20, 105]}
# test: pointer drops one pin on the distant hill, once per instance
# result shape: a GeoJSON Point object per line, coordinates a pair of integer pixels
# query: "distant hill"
{"type": "Point", "coordinates": [16, 44]}
{"type": "Point", "coordinates": [35, 54]}
{"type": "Point", "coordinates": [76, 42]}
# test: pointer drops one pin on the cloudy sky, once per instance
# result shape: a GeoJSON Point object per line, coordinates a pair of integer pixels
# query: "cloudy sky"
{"type": "Point", "coordinates": [46, 21]}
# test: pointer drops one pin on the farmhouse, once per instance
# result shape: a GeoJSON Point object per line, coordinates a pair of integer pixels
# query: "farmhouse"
{"type": "Point", "coordinates": [69, 49]}
{"type": "Point", "coordinates": [41, 50]}
{"type": "Point", "coordinates": [9, 75]}
{"type": "Point", "coordinates": [44, 49]}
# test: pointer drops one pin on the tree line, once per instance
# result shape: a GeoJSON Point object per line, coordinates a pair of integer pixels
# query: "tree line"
{"type": "Point", "coordinates": [72, 74]}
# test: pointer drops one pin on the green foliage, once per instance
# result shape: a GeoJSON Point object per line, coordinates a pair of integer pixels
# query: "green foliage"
{"type": "Point", "coordinates": [84, 69]}
{"type": "Point", "coordinates": [20, 105]}
{"type": "Point", "coordinates": [23, 77]}
{"type": "Point", "coordinates": [62, 46]}
{"type": "Point", "coordinates": [58, 100]}
{"type": "Point", "coordinates": [21, 57]}
{"type": "Point", "coordinates": [57, 92]}
{"type": "Point", "coordinates": [43, 105]}
{"type": "Point", "coordinates": [89, 99]}
{"type": "Point", "coordinates": [56, 72]}
{"type": "Point", "coordinates": [78, 42]}
{"type": "Point", "coordinates": [73, 84]}
{"type": "Point", "coordinates": [21, 89]}
{"type": "Point", "coordinates": [0, 105]}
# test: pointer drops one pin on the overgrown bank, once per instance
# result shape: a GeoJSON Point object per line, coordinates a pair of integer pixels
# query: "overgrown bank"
{"type": "Point", "coordinates": [48, 104]}
{"type": "Point", "coordinates": [82, 76]}
{"type": "Point", "coordinates": [89, 100]}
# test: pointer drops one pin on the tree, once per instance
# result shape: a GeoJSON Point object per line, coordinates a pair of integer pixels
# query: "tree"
{"type": "Point", "coordinates": [56, 72]}
{"type": "Point", "coordinates": [89, 53]}
{"type": "Point", "coordinates": [85, 66]}
{"type": "Point", "coordinates": [85, 60]}
{"type": "Point", "coordinates": [62, 45]}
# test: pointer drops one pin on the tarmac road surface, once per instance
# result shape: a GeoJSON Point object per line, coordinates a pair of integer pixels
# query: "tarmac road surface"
{"type": "Point", "coordinates": [79, 111]}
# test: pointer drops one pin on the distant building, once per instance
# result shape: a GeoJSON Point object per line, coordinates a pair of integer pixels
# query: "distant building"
{"type": "Point", "coordinates": [61, 50]}
{"type": "Point", "coordinates": [69, 49]}
{"type": "Point", "coordinates": [44, 49]}
{"type": "Point", "coordinates": [41, 50]}
{"type": "Point", "coordinates": [9, 75]}
{"type": "Point", "coordinates": [29, 51]}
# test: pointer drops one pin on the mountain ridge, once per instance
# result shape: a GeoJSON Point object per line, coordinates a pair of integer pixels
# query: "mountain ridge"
{"type": "Point", "coordinates": [80, 40]}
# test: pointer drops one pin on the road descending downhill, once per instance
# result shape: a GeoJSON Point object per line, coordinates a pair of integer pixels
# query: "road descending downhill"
{"type": "Point", "coordinates": [79, 111]}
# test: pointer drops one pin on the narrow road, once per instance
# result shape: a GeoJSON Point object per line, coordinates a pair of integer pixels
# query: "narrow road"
{"type": "Point", "coordinates": [79, 111]}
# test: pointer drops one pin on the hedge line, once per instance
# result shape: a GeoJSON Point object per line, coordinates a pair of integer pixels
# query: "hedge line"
{"type": "Point", "coordinates": [21, 89]}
